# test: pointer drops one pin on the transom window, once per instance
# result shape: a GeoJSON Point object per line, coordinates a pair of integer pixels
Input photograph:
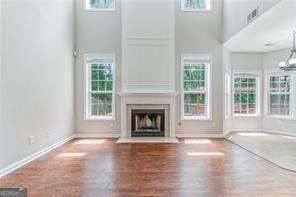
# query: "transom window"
{"type": "Point", "coordinates": [195, 87]}
{"type": "Point", "coordinates": [195, 5]}
{"type": "Point", "coordinates": [100, 86]}
{"type": "Point", "coordinates": [279, 94]}
{"type": "Point", "coordinates": [245, 93]}
{"type": "Point", "coordinates": [103, 5]}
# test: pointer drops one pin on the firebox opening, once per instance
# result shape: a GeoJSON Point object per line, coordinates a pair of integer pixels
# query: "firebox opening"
{"type": "Point", "coordinates": [148, 123]}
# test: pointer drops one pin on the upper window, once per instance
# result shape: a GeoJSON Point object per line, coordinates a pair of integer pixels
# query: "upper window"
{"type": "Point", "coordinates": [99, 86]}
{"type": "Point", "coordinates": [246, 93]}
{"type": "Point", "coordinates": [100, 5]}
{"type": "Point", "coordinates": [196, 87]}
{"type": "Point", "coordinates": [195, 5]}
{"type": "Point", "coordinates": [279, 94]}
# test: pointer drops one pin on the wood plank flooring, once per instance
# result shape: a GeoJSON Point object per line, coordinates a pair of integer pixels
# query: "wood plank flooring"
{"type": "Point", "coordinates": [196, 167]}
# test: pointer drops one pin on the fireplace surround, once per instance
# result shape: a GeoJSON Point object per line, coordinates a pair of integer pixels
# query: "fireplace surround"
{"type": "Point", "coordinates": [152, 101]}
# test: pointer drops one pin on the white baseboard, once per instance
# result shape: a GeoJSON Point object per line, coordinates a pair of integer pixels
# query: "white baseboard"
{"type": "Point", "coordinates": [279, 133]}
{"type": "Point", "coordinates": [32, 157]}
{"type": "Point", "coordinates": [199, 135]}
{"type": "Point", "coordinates": [96, 135]}
{"type": "Point", "coordinates": [257, 130]}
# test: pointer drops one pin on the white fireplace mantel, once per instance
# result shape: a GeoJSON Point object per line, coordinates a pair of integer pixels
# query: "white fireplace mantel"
{"type": "Point", "coordinates": [149, 94]}
{"type": "Point", "coordinates": [148, 98]}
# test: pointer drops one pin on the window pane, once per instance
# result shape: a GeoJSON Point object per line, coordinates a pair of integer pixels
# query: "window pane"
{"type": "Point", "coordinates": [95, 4]}
{"type": "Point", "coordinates": [245, 95]}
{"type": "Point", "coordinates": [194, 76]}
{"type": "Point", "coordinates": [109, 85]}
{"type": "Point", "coordinates": [94, 75]}
{"type": "Point", "coordinates": [102, 85]}
{"type": "Point", "coordinates": [190, 98]}
{"type": "Point", "coordinates": [194, 4]}
{"type": "Point", "coordinates": [101, 104]}
{"type": "Point", "coordinates": [101, 75]}
{"type": "Point", "coordinates": [100, 96]}
{"type": "Point", "coordinates": [94, 85]}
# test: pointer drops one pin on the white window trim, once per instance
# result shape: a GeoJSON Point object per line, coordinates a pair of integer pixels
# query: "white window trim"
{"type": "Point", "coordinates": [99, 9]}
{"type": "Point", "coordinates": [258, 75]}
{"type": "Point", "coordinates": [87, 115]}
{"type": "Point", "coordinates": [268, 73]}
{"type": "Point", "coordinates": [208, 9]}
{"type": "Point", "coordinates": [208, 103]}
{"type": "Point", "coordinates": [227, 87]}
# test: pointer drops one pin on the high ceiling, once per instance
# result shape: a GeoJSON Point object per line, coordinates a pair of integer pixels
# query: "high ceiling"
{"type": "Point", "coordinates": [273, 28]}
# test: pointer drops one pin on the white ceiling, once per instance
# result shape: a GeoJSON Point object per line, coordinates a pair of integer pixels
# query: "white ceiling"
{"type": "Point", "coordinates": [275, 26]}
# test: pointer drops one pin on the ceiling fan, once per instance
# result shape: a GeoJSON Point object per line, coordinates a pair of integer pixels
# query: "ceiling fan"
{"type": "Point", "coordinates": [290, 64]}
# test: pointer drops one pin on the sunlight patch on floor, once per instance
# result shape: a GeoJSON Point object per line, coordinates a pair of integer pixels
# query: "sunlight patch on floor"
{"type": "Point", "coordinates": [72, 155]}
{"type": "Point", "coordinates": [205, 154]}
{"type": "Point", "coordinates": [197, 141]}
{"type": "Point", "coordinates": [98, 141]}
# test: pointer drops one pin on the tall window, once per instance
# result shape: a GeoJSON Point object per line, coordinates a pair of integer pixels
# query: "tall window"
{"type": "Point", "coordinates": [103, 5]}
{"type": "Point", "coordinates": [195, 90]}
{"type": "Point", "coordinates": [100, 86]}
{"type": "Point", "coordinates": [195, 5]}
{"type": "Point", "coordinates": [279, 94]}
{"type": "Point", "coordinates": [246, 93]}
{"type": "Point", "coordinates": [227, 93]}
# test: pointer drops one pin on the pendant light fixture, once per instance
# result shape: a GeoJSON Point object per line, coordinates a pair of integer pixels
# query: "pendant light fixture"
{"type": "Point", "coordinates": [290, 64]}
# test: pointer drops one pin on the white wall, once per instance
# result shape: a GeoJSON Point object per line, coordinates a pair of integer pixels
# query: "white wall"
{"type": "Point", "coordinates": [270, 61]}
{"type": "Point", "coordinates": [227, 68]}
{"type": "Point", "coordinates": [235, 14]}
{"type": "Point", "coordinates": [246, 62]}
{"type": "Point", "coordinates": [37, 75]}
{"type": "Point", "coordinates": [201, 33]}
{"type": "Point", "coordinates": [96, 32]}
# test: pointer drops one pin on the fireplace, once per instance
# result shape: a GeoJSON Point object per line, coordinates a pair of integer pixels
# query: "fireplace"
{"type": "Point", "coordinates": [148, 122]}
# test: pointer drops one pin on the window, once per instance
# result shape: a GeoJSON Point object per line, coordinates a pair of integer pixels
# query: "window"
{"type": "Point", "coordinates": [100, 5]}
{"type": "Point", "coordinates": [279, 94]}
{"type": "Point", "coordinates": [99, 86]}
{"type": "Point", "coordinates": [195, 5]}
{"type": "Point", "coordinates": [227, 94]}
{"type": "Point", "coordinates": [195, 87]}
{"type": "Point", "coordinates": [246, 93]}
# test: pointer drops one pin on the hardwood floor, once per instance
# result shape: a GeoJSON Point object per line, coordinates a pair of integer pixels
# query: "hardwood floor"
{"type": "Point", "coordinates": [196, 167]}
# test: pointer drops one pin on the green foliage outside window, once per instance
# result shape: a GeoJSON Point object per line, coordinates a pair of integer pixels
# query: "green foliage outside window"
{"type": "Point", "coordinates": [97, 4]}
{"type": "Point", "coordinates": [194, 86]}
{"type": "Point", "coordinates": [101, 89]}
{"type": "Point", "coordinates": [244, 95]}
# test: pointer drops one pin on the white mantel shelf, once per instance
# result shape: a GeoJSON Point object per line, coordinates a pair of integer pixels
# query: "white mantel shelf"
{"type": "Point", "coordinates": [129, 93]}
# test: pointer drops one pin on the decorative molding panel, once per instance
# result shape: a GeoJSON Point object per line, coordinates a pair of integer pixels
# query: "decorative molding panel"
{"type": "Point", "coordinates": [148, 45]}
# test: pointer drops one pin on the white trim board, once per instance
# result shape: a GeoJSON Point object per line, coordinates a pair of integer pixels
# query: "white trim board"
{"type": "Point", "coordinates": [32, 157]}
{"type": "Point", "coordinates": [96, 135]}
{"type": "Point", "coordinates": [199, 135]}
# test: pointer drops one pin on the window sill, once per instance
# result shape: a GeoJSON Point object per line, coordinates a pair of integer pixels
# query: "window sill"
{"type": "Point", "coordinates": [196, 10]}
{"type": "Point", "coordinates": [99, 10]}
{"type": "Point", "coordinates": [100, 119]}
{"type": "Point", "coordinates": [246, 115]}
{"type": "Point", "coordinates": [185, 118]}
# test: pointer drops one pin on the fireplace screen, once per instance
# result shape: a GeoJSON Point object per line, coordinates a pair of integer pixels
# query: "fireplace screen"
{"type": "Point", "coordinates": [148, 122]}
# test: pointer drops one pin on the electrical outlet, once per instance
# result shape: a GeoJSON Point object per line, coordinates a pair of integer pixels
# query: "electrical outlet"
{"type": "Point", "coordinates": [31, 140]}
{"type": "Point", "coordinates": [280, 122]}
{"type": "Point", "coordinates": [48, 133]}
{"type": "Point", "coordinates": [214, 124]}
{"type": "Point", "coordinates": [111, 124]}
